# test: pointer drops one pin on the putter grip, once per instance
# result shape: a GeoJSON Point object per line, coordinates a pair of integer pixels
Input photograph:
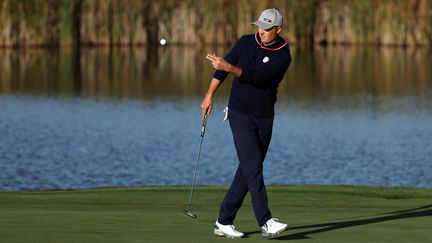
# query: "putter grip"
{"type": "Point", "coordinates": [203, 125]}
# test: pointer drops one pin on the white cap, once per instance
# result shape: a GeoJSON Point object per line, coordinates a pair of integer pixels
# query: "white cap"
{"type": "Point", "coordinates": [269, 18]}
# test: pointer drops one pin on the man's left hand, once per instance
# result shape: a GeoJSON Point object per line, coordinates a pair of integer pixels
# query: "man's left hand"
{"type": "Point", "coordinates": [218, 62]}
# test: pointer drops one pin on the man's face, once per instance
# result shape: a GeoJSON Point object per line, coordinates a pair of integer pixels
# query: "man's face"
{"type": "Point", "coordinates": [267, 36]}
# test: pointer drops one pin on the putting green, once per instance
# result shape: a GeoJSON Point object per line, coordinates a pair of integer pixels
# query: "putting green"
{"type": "Point", "coordinates": [155, 214]}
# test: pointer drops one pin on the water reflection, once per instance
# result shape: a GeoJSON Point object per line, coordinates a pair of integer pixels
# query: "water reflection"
{"type": "Point", "coordinates": [118, 73]}
{"type": "Point", "coordinates": [350, 70]}
{"type": "Point", "coordinates": [315, 75]}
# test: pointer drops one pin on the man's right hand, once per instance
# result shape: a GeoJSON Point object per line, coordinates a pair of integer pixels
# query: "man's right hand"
{"type": "Point", "coordinates": [206, 106]}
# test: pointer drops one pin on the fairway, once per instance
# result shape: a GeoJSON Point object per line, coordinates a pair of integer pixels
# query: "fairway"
{"type": "Point", "coordinates": [155, 214]}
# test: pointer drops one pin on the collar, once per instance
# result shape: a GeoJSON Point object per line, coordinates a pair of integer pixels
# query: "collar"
{"type": "Point", "coordinates": [279, 44]}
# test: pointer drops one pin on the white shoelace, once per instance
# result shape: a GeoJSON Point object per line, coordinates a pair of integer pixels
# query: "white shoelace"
{"type": "Point", "coordinates": [272, 221]}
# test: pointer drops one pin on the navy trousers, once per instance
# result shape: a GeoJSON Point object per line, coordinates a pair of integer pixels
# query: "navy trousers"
{"type": "Point", "coordinates": [252, 137]}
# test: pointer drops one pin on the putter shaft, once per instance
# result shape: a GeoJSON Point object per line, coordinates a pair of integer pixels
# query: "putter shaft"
{"type": "Point", "coordinates": [203, 126]}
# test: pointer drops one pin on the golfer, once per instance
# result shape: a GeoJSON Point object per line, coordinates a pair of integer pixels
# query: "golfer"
{"type": "Point", "coordinates": [258, 62]}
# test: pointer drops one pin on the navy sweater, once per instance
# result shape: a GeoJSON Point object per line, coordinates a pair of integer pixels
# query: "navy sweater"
{"type": "Point", "coordinates": [263, 68]}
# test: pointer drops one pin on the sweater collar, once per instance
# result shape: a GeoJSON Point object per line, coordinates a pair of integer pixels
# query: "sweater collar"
{"type": "Point", "coordinates": [279, 44]}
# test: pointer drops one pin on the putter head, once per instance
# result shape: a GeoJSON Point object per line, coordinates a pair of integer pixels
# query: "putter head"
{"type": "Point", "coordinates": [190, 214]}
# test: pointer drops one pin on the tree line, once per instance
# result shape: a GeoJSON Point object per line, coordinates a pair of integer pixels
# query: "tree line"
{"type": "Point", "coordinates": [57, 23]}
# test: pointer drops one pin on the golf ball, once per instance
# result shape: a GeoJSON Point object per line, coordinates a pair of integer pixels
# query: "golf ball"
{"type": "Point", "coordinates": [162, 42]}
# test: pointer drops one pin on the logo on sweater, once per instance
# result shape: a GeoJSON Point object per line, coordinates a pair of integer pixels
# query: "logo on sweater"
{"type": "Point", "coordinates": [265, 59]}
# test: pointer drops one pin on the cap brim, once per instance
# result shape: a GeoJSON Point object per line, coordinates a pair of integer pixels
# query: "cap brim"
{"type": "Point", "coordinates": [262, 24]}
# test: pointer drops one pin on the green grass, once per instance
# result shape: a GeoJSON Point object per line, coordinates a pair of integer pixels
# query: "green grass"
{"type": "Point", "coordinates": [154, 214]}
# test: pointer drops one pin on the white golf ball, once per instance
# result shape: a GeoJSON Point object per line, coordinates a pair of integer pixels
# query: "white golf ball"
{"type": "Point", "coordinates": [162, 42]}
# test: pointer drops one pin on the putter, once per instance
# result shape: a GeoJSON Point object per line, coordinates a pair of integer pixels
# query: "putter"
{"type": "Point", "coordinates": [188, 211]}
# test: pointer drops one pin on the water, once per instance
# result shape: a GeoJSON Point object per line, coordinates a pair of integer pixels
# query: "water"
{"type": "Point", "coordinates": [358, 116]}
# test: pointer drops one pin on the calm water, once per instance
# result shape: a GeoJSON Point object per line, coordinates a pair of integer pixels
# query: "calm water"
{"type": "Point", "coordinates": [97, 118]}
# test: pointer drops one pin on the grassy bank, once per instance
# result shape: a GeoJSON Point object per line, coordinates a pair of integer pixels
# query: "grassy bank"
{"type": "Point", "coordinates": [154, 214]}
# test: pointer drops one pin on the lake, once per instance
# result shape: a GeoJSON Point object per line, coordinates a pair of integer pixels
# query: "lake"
{"type": "Point", "coordinates": [131, 117]}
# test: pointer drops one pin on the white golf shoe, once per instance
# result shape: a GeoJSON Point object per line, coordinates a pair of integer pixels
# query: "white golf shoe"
{"type": "Point", "coordinates": [273, 227]}
{"type": "Point", "coordinates": [228, 231]}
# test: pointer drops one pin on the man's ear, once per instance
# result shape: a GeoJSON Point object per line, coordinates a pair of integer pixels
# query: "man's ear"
{"type": "Point", "coordinates": [279, 29]}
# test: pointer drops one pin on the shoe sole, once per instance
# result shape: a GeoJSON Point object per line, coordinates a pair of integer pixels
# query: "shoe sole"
{"type": "Point", "coordinates": [221, 234]}
{"type": "Point", "coordinates": [274, 234]}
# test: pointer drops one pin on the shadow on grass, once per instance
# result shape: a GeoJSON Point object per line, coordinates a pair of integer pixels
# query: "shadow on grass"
{"type": "Point", "coordinates": [411, 213]}
{"type": "Point", "coordinates": [248, 233]}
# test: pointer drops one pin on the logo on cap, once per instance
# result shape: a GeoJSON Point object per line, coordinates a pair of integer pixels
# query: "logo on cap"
{"type": "Point", "coordinates": [267, 20]}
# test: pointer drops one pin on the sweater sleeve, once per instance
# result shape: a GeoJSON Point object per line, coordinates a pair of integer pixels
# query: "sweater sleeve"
{"type": "Point", "coordinates": [266, 72]}
{"type": "Point", "coordinates": [232, 58]}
